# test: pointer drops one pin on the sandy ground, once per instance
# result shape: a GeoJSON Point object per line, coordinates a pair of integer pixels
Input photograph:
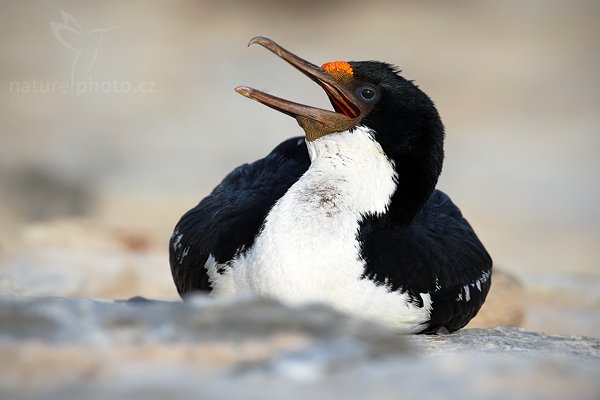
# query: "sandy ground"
{"type": "Point", "coordinates": [94, 177]}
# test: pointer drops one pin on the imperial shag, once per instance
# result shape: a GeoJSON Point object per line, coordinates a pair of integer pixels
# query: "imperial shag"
{"type": "Point", "coordinates": [347, 215]}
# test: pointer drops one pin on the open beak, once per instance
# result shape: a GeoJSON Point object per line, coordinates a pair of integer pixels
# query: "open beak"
{"type": "Point", "coordinates": [316, 122]}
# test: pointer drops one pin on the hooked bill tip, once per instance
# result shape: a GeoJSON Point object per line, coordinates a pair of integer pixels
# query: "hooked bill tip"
{"type": "Point", "coordinates": [260, 40]}
{"type": "Point", "coordinates": [244, 91]}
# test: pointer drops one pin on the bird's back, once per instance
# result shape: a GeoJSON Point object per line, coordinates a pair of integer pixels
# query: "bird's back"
{"type": "Point", "coordinates": [228, 219]}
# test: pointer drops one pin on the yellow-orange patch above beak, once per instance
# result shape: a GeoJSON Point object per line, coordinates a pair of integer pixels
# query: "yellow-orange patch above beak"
{"type": "Point", "coordinates": [340, 70]}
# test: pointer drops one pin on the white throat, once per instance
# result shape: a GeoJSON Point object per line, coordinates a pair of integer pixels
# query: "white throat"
{"type": "Point", "coordinates": [354, 167]}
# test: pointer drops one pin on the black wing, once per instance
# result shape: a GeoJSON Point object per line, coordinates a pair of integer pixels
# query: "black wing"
{"type": "Point", "coordinates": [438, 253]}
{"type": "Point", "coordinates": [227, 220]}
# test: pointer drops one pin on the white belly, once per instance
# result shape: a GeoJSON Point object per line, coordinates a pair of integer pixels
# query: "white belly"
{"type": "Point", "coordinates": [307, 250]}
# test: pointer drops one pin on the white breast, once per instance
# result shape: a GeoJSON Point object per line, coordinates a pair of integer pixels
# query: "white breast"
{"type": "Point", "coordinates": [307, 250]}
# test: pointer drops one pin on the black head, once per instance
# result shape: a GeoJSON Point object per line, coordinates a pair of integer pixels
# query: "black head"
{"type": "Point", "coordinates": [403, 117]}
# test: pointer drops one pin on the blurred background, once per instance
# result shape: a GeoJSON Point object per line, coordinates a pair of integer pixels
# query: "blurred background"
{"type": "Point", "coordinates": [117, 117]}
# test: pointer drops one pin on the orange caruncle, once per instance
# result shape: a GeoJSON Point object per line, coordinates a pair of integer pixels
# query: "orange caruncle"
{"type": "Point", "coordinates": [340, 70]}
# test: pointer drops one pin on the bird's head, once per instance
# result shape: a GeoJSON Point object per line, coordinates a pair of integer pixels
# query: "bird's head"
{"type": "Point", "coordinates": [402, 118]}
{"type": "Point", "coordinates": [368, 93]}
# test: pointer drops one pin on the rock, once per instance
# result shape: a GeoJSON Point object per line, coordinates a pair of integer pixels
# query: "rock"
{"type": "Point", "coordinates": [252, 348]}
{"type": "Point", "coordinates": [505, 302]}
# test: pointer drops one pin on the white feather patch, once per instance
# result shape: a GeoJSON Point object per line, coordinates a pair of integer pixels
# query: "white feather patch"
{"type": "Point", "coordinates": [307, 250]}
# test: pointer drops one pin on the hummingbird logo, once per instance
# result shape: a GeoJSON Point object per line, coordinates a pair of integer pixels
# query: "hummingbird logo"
{"type": "Point", "coordinates": [85, 44]}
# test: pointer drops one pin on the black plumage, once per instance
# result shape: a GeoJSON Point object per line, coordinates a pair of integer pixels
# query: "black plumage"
{"type": "Point", "coordinates": [437, 253]}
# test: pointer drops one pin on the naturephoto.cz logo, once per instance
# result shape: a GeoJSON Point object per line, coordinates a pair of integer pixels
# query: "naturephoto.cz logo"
{"type": "Point", "coordinates": [85, 46]}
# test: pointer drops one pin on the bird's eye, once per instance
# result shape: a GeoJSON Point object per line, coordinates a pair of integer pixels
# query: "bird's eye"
{"type": "Point", "coordinates": [368, 94]}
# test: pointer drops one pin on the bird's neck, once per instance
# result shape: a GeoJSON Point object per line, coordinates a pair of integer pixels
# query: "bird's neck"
{"type": "Point", "coordinates": [354, 165]}
{"type": "Point", "coordinates": [417, 178]}
{"type": "Point", "coordinates": [349, 178]}
{"type": "Point", "coordinates": [392, 192]}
